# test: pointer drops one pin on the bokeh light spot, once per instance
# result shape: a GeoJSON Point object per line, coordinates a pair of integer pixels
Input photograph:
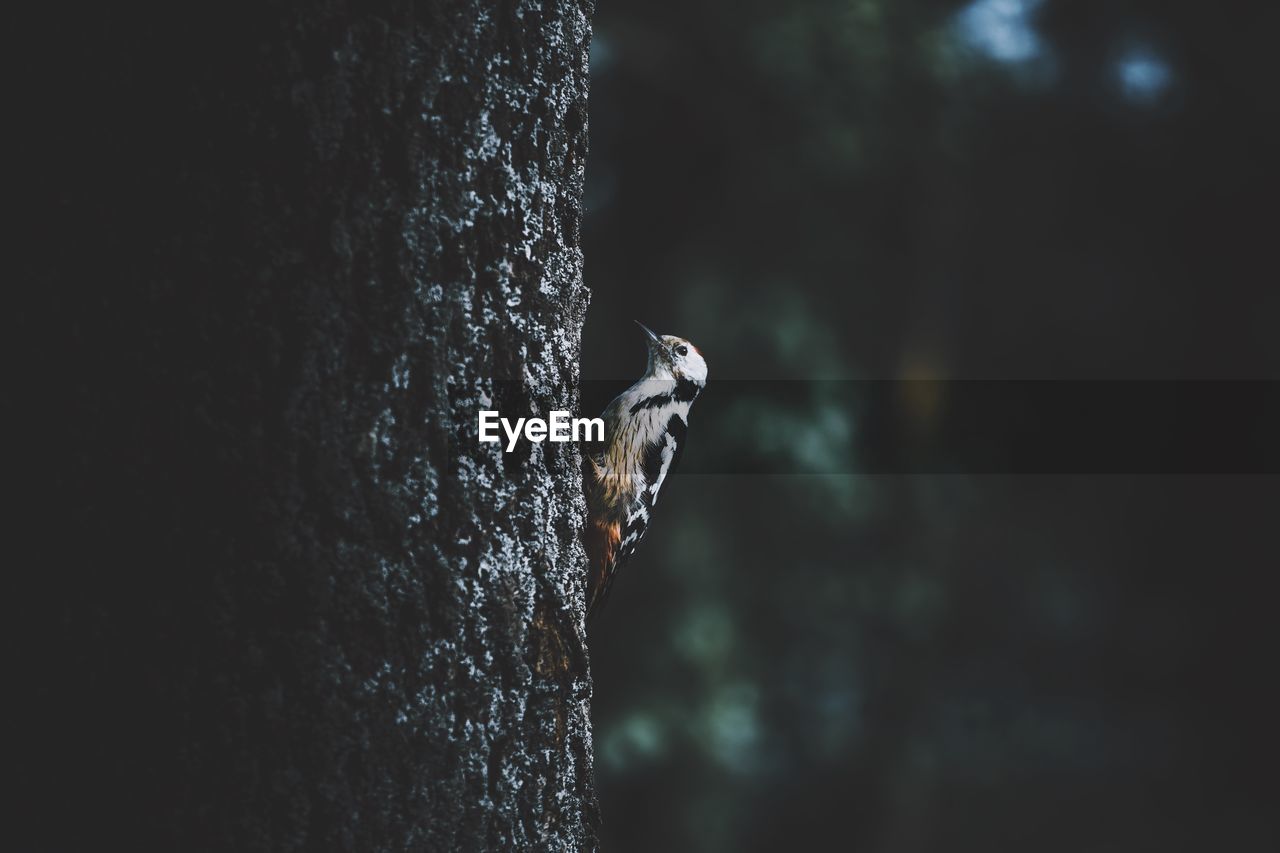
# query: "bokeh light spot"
{"type": "Point", "coordinates": [1001, 29]}
{"type": "Point", "coordinates": [1143, 75]}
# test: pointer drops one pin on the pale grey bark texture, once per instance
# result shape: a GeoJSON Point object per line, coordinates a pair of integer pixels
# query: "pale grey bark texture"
{"type": "Point", "coordinates": [286, 256]}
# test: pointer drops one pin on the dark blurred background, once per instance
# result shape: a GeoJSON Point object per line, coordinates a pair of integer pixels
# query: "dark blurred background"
{"type": "Point", "coordinates": [883, 189]}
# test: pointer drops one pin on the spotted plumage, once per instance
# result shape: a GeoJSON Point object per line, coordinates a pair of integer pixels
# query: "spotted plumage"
{"type": "Point", "coordinates": [645, 429]}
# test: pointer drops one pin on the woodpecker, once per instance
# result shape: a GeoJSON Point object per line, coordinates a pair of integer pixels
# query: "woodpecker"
{"type": "Point", "coordinates": [645, 428]}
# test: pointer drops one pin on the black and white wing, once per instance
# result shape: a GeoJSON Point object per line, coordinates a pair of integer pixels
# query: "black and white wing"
{"type": "Point", "coordinates": [660, 459]}
{"type": "Point", "coordinates": [662, 456]}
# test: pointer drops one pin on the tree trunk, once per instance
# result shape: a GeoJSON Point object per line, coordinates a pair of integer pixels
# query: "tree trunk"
{"type": "Point", "coordinates": [283, 599]}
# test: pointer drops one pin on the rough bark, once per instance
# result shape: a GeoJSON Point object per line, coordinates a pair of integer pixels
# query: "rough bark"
{"type": "Point", "coordinates": [284, 600]}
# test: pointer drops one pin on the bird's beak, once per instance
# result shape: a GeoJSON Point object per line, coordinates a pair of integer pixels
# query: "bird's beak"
{"type": "Point", "coordinates": [653, 339]}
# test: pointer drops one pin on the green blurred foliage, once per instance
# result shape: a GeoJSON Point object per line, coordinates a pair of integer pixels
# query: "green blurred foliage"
{"type": "Point", "coordinates": [831, 189]}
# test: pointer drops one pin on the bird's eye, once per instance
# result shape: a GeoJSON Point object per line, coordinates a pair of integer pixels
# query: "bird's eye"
{"type": "Point", "coordinates": [682, 350]}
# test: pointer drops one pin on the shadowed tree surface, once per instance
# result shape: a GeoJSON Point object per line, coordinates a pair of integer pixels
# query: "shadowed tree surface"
{"type": "Point", "coordinates": [823, 659]}
{"type": "Point", "coordinates": [278, 259]}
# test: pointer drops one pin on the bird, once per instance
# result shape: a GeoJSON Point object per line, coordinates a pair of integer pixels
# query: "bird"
{"type": "Point", "coordinates": [645, 429]}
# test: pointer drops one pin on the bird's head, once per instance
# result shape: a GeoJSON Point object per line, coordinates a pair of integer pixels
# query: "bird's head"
{"type": "Point", "coordinates": [674, 358]}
